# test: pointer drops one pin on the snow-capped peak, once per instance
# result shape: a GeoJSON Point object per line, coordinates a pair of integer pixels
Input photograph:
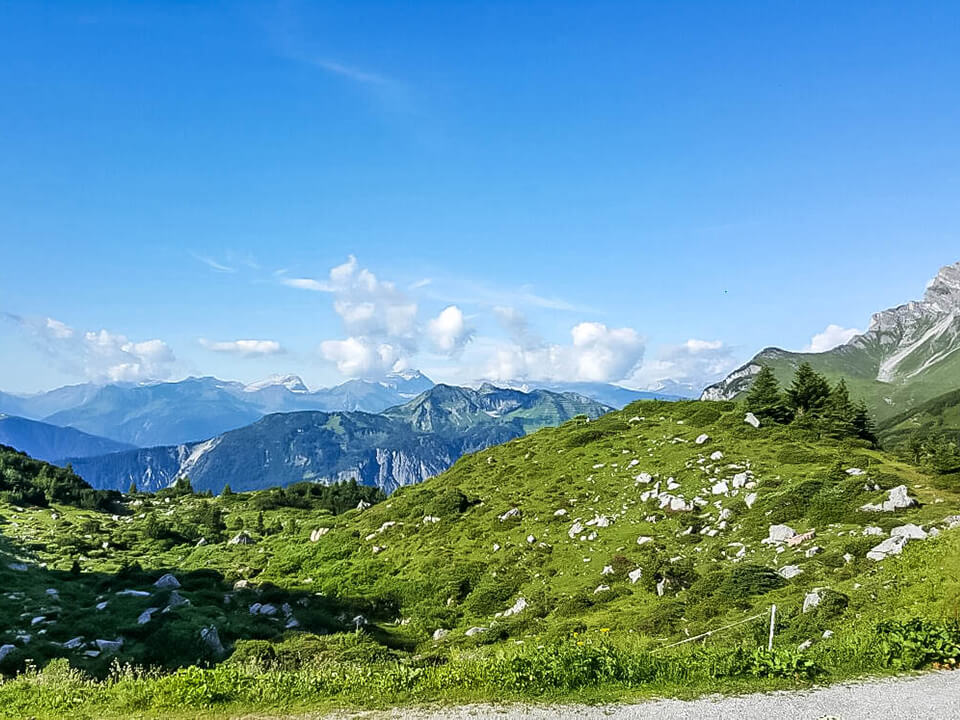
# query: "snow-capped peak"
{"type": "Point", "coordinates": [293, 383]}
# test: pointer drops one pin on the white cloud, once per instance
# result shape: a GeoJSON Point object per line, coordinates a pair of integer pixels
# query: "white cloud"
{"type": "Point", "coordinates": [244, 348]}
{"type": "Point", "coordinates": [449, 331]}
{"type": "Point", "coordinates": [100, 356]}
{"type": "Point", "coordinates": [830, 338]}
{"type": "Point", "coordinates": [361, 357]}
{"type": "Point", "coordinates": [597, 353]}
{"type": "Point", "coordinates": [697, 363]}
{"type": "Point", "coordinates": [304, 284]}
{"type": "Point", "coordinates": [58, 329]}
{"type": "Point", "coordinates": [214, 265]}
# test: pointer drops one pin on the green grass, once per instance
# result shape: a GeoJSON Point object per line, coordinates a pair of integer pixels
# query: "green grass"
{"type": "Point", "coordinates": [464, 567]}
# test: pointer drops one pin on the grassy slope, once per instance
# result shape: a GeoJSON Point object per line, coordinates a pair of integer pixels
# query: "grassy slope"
{"type": "Point", "coordinates": [447, 575]}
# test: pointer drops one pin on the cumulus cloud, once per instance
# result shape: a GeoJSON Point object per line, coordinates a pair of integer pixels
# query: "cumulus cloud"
{"type": "Point", "coordinates": [696, 363]}
{"type": "Point", "coordinates": [243, 348]}
{"type": "Point", "coordinates": [596, 353]}
{"type": "Point", "coordinates": [361, 357]}
{"type": "Point", "coordinates": [449, 331]}
{"type": "Point", "coordinates": [831, 337]}
{"type": "Point", "coordinates": [99, 355]}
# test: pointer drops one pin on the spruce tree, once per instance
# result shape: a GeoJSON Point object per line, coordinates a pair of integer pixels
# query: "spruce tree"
{"type": "Point", "coordinates": [862, 423]}
{"type": "Point", "coordinates": [765, 399]}
{"type": "Point", "coordinates": [133, 488]}
{"type": "Point", "coordinates": [809, 391]}
{"type": "Point", "coordinates": [227, 490]}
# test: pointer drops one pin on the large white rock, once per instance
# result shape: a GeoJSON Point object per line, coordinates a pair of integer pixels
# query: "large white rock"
{"type": "Point", "coordinates": [511, 513]}
{"type": "Point", "coordinates": [6, 650]}
{"type": "Point", "coordinates": [890, 546]}
{"type": "Point", "coordinates": [146, 616]}
{"type": "Point", "coordinates": [897, 499]}
{"type": "Point", "coordinates": [909, 531]}
{"type": "Point", "coordinates": [241, 538]}
{"type": "Point", "coordinates": [720, 488]}
{"type": "Point", "coordinates": [750, 499]}
{"type": "Point", "coordinates": [751, 419]}
{"type": "Point", "coordinates": [440, 633]}
{"type": "Point", "coordinates": [635, 575]}
{"type": "Point", "coordinates": [701, 439]}
{"type": "Point", "coordinates": [716, 455]}
{"type": "Point", "coordinates": [779, 534]}
{"type": "Point", "coordinates": [133, 593]}
{"type": "Point", "coordinates": [315, 535]}
{"type": "Point", "coordinates": [475, 631]}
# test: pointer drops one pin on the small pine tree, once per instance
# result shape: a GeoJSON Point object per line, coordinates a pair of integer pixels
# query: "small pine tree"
{"type": "Point", "coordinates": [862, 423]}
{"type": "Point", "coordinates": [765, 399]}
{"type": "Point", "coordinates": [809, 391]}
{"type": "Point", "coordinates": [260, 522]}
{"type": "Point", "coordinates": [227, 490]}
{"type": "Point", "coordinates": [133, 490]}
{"type": "Point", "coordinates": [75, 568]}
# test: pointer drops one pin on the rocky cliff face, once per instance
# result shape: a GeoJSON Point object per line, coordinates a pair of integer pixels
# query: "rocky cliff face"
{"type": "Point", "coordinates": [911, 344]}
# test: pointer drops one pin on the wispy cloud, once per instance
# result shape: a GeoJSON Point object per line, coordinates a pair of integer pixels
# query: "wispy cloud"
{"type": "Point", "coordinates": [305, 284]}
{"type": "Point", "coordinates": [352, 73]}
{"type": "Point", "coordinates": [213, 264]}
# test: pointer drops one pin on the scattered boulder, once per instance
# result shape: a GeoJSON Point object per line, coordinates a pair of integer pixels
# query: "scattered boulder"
{"type": "Point", "coordinates": [146, 616]}
{"type": "Point", "coordinates": [518, 607]}
{"type": "Point", "coordinates": [475, 631]}
{"type": "Point", "coordinates": [788, 572]}
{"type": "Point", "coordinates": [133, 593]}
{"type": "Point", "coordinates": [211, 638]}
{"type": "Point", "coordinates": [890, 546]}
{"type": "Point", "coordinates": [635, 575]}
{"type": "Point", "coordinates": [815, 550]}
{"type": "Point", "coordinates": [812, 600]}
{"type": "Point", "coordinates": [167, 582]}
{"type": "Point", "coordinates": [511, 513]}
{"type": "Point", "coordinates": [752, 419]}
{"type": "Point", "coordinates": [440, 633]}
{"type": "Point", "coordinates": [778, 534]}
{"type": "Point", "coordinates": [909, 531]}
{"type": "Point", "coordinates": [560, 513]}
{"type": "Point", "coordinates": [18, 567]}
{"type": "Point", "coordinates": [430, 519]}
{"type": "Point", "coordinates": [701, 439]}
{"type": "Point", "coordinates": [363, 505]}
{"type": "Point", "coordinates": [241, 538]}
{"type": "Point", "coordinates": [750, 499]}
{"type": "Point", "coordinates": [176, 600]}
{"type": "Point", "coordinates": [73, 643]}
{"type": "Point", "coordinates": [856, 472]}
{"type": "Point", "coordinates": [601, 588]}
{"type": "Point", "coordinates": [315, 535]}
{"type": "Point", "coordinates": [716, 456]}
{"type": "Point", "coordinates": [109, 645]}
{"type": "Point", "coordinates": [897, 499]}
{"type": "Point", "coordinates": [6, 650]}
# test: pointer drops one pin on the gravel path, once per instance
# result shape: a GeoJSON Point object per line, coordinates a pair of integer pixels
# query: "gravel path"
{"type": "Point", "coordinates": [933, 696]}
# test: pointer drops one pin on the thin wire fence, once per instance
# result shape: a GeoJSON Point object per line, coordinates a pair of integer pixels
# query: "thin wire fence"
{"type": "Point", "coordinates": [773, 619]}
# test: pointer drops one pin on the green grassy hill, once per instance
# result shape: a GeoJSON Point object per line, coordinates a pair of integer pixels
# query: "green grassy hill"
{"type": "Point", "coordinates": [556, 563]}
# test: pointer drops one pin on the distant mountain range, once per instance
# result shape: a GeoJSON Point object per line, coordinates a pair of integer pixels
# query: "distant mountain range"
{"type": "Point", "coordinates": [908, 358]}
{"type": "Point", "coordinates": [174, 413]}
{"type": "Point", "coordinates": [52, 443]}
{"type": "Point", "coordinates": [197, 408]}
{"type": "Point", "coordinates": [404, 445]}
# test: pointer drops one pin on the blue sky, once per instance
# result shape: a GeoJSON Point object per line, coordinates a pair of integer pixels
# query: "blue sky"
{"type": "Point", "coordinates": [611, 191]}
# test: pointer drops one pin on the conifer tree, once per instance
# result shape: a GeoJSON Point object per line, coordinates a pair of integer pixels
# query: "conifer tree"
{"type": "Point", "coordinates": [133, 488]}
{"type": "Point", "coordinates": [227, 490]}
{"type": "Point", "coordinates": [765, 399]}
{"type": "Point", "coordinates": [862, 423]}
{"type": "Point", "coordinates": [809, 391]}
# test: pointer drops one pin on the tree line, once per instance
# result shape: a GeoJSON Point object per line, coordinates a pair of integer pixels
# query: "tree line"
{"type": "Point", "coordinates": [810, 401]}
